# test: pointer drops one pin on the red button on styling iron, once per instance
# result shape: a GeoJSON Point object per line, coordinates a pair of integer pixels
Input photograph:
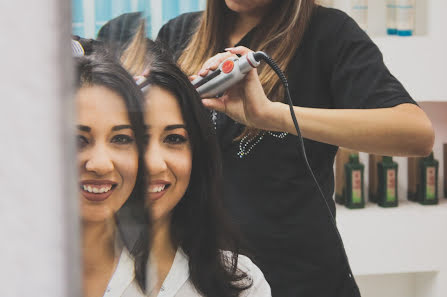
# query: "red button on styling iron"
{"type": "Point", "coordinates": [229, 72]}
{"type": "Point", "coordinates": [227, 66]}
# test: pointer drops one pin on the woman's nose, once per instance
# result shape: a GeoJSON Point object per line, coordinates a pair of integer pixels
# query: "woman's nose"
{"type": "Point", "coordinates": [99, 162]}
{"type": "Point", "coordinates": [155, 161]}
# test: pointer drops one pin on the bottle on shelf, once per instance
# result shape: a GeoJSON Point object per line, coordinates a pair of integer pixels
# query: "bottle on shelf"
{"type": "Point", "coordinates": [354, 190]}
{"type": "Point", "coordinates": [405, 17]}
{"type": "Point", "coordinates": [326, 3]}
{"type": "Point", "coordinates": [387, 175]}
{"type": "Point", "coordinates": [373, 162]}
{"type": "Point", "coordinates": [359, 12]}
{"type": "Point", "coordinates": [428, 193]}
{"type": "Point", "coordinates": [341, 159]}
{"type": "Point", "coordinates": [391, 26]}
{"type": "Point", "coordinates": [414, 178]}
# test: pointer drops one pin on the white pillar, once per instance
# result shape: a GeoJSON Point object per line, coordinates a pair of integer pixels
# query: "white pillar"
{"type": "Point", "coordinates": [156, 17]}
{"type": "Point", "coordinates": [39, 251]}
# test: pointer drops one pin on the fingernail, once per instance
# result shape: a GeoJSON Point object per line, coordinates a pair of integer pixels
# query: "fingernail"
{"type": "Point", "coordinates": [229, 48]}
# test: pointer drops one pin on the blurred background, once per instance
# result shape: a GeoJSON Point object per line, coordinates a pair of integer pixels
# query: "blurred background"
{"type": "Point", "coordinates": [89, 16]}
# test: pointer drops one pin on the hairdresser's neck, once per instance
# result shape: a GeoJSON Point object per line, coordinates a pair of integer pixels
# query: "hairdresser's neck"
{"type": "Point", "coordinates": [163, 251]}
{"type": "Point", "coordinates": [244, 23]}
{"type": "Point", "coordinates": [98, 246]}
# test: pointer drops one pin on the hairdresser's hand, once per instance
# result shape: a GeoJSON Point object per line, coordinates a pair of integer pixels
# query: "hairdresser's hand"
{"type": "Point", "coordinates": [246, 101]}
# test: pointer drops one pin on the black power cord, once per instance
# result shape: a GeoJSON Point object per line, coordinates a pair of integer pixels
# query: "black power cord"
{"type": "Point", "coordinates": [263, 56]}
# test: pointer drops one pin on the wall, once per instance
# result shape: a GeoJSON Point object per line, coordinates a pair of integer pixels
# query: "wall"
{"type": "Point", "coordinates": [39, 254]}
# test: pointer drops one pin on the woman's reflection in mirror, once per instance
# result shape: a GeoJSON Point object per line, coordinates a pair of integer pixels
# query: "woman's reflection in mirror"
{"type": "Point", "coordinates": [110, 138]}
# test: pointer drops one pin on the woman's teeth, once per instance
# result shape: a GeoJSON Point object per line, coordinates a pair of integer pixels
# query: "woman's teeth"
{"type": "Point", "coordinates": [96, 190]}
{"type": "Point", "coordinates": [156, 188]}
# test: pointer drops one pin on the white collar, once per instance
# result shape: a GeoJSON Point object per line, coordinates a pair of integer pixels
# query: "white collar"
{"type": "Point", "coordinates": [177, 275]}
{"type": "Point", "coordinates": [122, 277]}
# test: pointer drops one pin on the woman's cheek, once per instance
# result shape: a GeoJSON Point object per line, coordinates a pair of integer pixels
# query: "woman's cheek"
{"type": "Point", "coordinates": [184, 165]}
{"type": "Point", "coordinates": [129, 168]}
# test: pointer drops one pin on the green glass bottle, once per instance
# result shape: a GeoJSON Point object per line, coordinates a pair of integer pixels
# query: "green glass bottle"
{"type": "Point", "coordinates": [387, 175]}
{"type": "Point", "coordinates": [414, 178]}
{"type": "Point", "coordinates": [373, 161]}
{"type": "Point", "coordinates": [341, 159]}
{"type": "Point", "coordinates": [354, 170]}
{"type": "Point", "coordinates": [428, 193]}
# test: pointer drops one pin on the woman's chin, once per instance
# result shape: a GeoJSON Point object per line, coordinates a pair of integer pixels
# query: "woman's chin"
{"type": "Point", "coordinates": [159, 216]}
{"type": "Point", "coordinates": [96, 215]}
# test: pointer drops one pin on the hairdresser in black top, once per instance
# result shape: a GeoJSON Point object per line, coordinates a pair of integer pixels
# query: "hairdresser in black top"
{"type": "Point", "coordinates": [343, 96]}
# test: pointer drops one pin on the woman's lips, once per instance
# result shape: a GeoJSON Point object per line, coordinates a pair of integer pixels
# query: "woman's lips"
{"type": "Point", "coordinates": [157, 189]}
{"type": "Point", "coordinates": [97, 191]}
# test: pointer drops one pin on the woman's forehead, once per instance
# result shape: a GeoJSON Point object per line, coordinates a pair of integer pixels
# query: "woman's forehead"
{"type": "Point", "coordinates": [162, 108]}
{"type": "Point", "coordinates": [98, 104]}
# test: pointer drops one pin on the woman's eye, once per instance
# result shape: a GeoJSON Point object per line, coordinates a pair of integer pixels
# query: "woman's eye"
{"type": "Point", "coordinates": [175, 139]}
{"type": "Point", "coordinates": [81, 141]}
{"type": "Point", "coordinates": [122, 139]}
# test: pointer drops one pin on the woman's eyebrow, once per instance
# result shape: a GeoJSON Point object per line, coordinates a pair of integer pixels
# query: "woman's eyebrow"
{"type": "Point", "coordinates": [170, 127]}
{"type": "Point", "coordinates": [84, 128]}
{"type": "Point", "coordinates": [121, 127]}
{"type": "Point", "coordinates": [173, 127]}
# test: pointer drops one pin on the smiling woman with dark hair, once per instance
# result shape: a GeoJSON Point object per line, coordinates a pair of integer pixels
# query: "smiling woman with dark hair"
{"type": "Point", "coordinates": [111, 173]}
{"type": "Point", "coordinates": [194, 251]}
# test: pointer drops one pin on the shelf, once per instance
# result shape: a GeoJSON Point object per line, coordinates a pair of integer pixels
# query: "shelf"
{"type": "Point", "coordinates": [377, 15]}
{"type": "Point", "coordinates": [416, 60]}
{"type": "Point", "coordinates": [404, 239]}
{"type": "Point", "coordinates": [401, 252]}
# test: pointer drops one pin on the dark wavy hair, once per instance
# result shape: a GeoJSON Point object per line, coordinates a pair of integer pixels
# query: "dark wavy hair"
{"type": "Point", "coordinates": [199, 224]}
{"type": "Point", "coordinates": [99, 68]}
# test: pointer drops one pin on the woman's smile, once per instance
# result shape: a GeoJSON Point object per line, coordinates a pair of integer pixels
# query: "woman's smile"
{"type": "Point", "coordinates": [156, 189]}
{"type": "Point", "coordinates": [97, 190]}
